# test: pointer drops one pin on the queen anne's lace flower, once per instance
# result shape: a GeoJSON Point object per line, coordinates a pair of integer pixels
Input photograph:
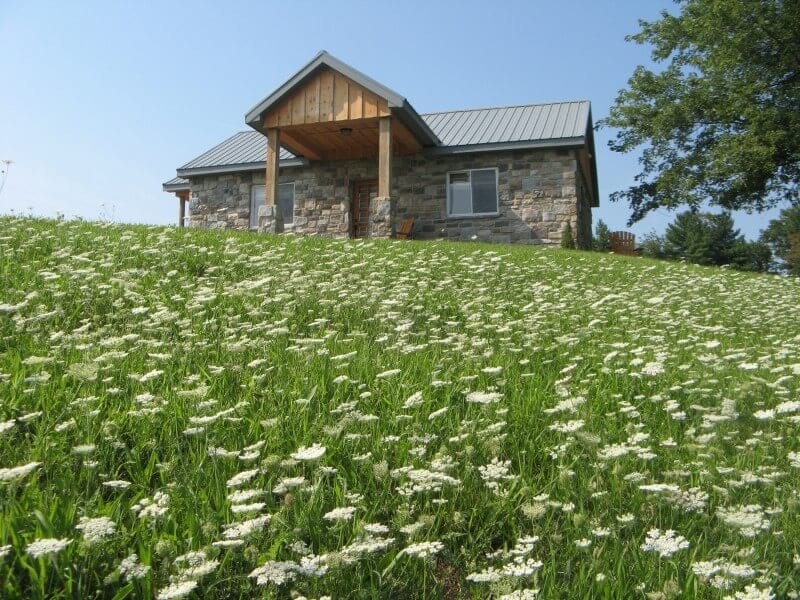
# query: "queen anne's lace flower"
{"type": "Point", "coordinates": [47, 546]}
{"type": "Point", "coordinates": [666, 544]}
{"type": "Point", "coordinates": [312, 452]}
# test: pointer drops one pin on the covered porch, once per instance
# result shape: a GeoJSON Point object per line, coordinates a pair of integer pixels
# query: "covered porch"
{"type": "Point", "coordinates": [328, 111]}
{"type": "Point", "coordinates": [181, 188]}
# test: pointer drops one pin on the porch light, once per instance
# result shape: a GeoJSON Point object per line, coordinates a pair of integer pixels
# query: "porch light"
{"type": "Point", "coordinates": [346, 130]}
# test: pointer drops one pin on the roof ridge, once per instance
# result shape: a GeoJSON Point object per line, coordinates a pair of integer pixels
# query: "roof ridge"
{"type": "Point", "coordinates": [441, 112]}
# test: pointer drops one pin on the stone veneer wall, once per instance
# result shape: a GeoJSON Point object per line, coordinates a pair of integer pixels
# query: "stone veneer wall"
{"type": "Point", "coordinates": [539, 192]}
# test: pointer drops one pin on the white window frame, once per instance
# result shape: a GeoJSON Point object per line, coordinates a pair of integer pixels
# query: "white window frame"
{"type": "Point", "coordinates": [254, 207]}
{"type": "Point", "coordinates": [493, 213]}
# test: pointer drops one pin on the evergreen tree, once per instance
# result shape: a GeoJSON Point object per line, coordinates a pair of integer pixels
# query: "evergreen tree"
{"type": "Point", "coordinates": [567, 242]}
{"type": "Point", "coordinates": [778, 235]}
{"type": "Point", "coordinates": [601, 242]}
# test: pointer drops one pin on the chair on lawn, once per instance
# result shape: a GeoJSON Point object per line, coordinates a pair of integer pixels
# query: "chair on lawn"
{"type": "Point", "coordinates": [404, 233]}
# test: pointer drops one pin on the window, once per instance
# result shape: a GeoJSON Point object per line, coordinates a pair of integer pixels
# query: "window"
{"type": "Point", "coordinates": [472, 193]}
{"type": "Point", "coordinates": [258, 196]}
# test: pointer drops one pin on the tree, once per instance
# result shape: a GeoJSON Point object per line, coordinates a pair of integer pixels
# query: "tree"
{"type": "Point", "coordinates": [720, 123]}
{"type": "Point", "coordinates": [711, 239]}
{"type": "Point", "coordinates": [793, 254]}
{"type": "Point", "coordinates": [779, 232]}
{"type": "Point", "coordinates": [567, 241]}
{"type": "Point", "coordinates": [652, 245]}
{"type": "Point", "coordinates": [601, 242]}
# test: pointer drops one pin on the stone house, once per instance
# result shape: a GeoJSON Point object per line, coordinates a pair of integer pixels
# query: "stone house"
{"type": "Point", "coordinates": [333, 152]}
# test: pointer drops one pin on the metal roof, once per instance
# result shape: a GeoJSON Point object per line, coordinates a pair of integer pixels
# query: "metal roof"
{"type": "Point", "coordinates": [511, 124]}
{"type": "Point", "coordinates": [401, 107]}
{"type": "Point", "coordinates": [483, 129]}
{"type": "Point", "coordinates": [176, 184]}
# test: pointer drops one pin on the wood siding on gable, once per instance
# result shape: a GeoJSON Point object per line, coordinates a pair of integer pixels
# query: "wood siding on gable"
{"type": "Point", "coordinates": [327, 97]}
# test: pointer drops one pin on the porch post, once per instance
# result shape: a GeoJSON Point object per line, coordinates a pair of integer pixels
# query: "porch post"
{"type": "Point", "coordinates": [270, 219]}
{"type": "Point", "coordinates": [181, 210]}
{"type": "Point", "coordinates": [382, 207]}
{"type": "Point", "coordinates": [385, 158]}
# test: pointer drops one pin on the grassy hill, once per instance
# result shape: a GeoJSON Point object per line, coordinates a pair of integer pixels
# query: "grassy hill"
{"type": "Point", "coordinates": [227, 415]}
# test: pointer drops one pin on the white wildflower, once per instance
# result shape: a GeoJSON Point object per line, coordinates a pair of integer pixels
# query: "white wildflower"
{"type": "Point", "coordinates": [19, 472]}
{"type": "Point", "coordinates": [47, 546]}
{"type": "Point", "coordinates": [241, 478]}
{"type": "Point", "coordinates": [130, 568]}
{"type": "Point", "coordinates": [245, 528]}
{"type": "Point", "coordinates": [749, 519]}
{"type": "Point", "coordinates": [666, 544]}
{"type": "Point", "coordinates": [117, 484]}
{"type": "Point", "coordinates": [180, 589]}
{"type": "Point", "coordinates": [423, 549]}
{"type": "Point", "coordinates": [312, 452]}
{"type": "Point", "coordinates": [94, 530]}
{"type": "Point", "coordinates": [484, 397]}
{"type": "Point", "coordinates": [344, 513]}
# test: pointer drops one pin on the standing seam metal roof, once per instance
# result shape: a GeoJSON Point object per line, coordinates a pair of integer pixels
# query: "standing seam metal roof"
{"type": "Point", "coordinates": [534, 123]}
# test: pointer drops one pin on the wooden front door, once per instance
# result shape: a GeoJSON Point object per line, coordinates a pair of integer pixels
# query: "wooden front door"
{"type": "Point", "coordinates": [363, 193]}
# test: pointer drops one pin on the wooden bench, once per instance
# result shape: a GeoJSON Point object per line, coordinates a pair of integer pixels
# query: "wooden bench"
{"type": "Point", "coordinates": [405, 230]}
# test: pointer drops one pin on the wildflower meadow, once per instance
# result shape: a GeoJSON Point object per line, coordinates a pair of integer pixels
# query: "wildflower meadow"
{"type": "Point", "coordinates": [218, 415]}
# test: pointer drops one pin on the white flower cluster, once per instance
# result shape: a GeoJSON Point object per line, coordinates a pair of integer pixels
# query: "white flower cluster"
{"type": "Point", "coordinates": [423, 549]}
{"type": "Point", "coordinates": [19, 472]}
{"type": "Point", "coordinates": [236, 531]}
{"type": "Point", "coordinates": [496, 472]}
{"type": "Point", "coordinates": [94, 530]}
{"type": "Point", "coordinates": [422, 480]}
{"type": "Point", "coordinates": [749, 519]}
{"type": "Point", "coordinates": [148, 508]}
{"type": "Point", "coordinates": [130, 568]}
{"type": "Point", "coordinates": [241, 478]}
{"type": "Point", "coordinates": [47, 546]}
{"type": "Point", "coordinates": [280, 572]}
{"type": "Point", "coordinates": [794, 459]}
{"type": "Point", "coordinates": [691, 500]}
{"type": "Point", "coordinates": [193, 566]}
{"type": "Point", "coordinates": [343, 513]}
{"type": "Point", "coordinates": [313, 452]}
{"type": "Point", "coordinates": [751, 592]}
{"type": "Point", "coordinates": [665, 544]}
{"type": "Point", "coordinates": [523, 594]}
{"type": "Point", "coordinates": [484, 397]}
{"type": "Point", "coordinates": [722, 574]}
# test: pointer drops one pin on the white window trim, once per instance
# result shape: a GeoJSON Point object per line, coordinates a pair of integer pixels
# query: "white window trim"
{"type": "Point", "coordinates": [495, 213]}
{"type": "Point", "coordinates": [255, 185]}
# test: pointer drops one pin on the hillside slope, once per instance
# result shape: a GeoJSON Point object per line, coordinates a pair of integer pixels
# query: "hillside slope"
{"type": "Point", "coordinates": [229, 415]}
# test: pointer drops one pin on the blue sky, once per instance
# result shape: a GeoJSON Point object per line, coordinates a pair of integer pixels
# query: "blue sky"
{"type": "Point", "coordinates": [102, 101]}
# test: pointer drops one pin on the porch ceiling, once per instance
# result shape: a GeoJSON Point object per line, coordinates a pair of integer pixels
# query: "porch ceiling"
{"type": "Point", "coordinates": [340, 140]}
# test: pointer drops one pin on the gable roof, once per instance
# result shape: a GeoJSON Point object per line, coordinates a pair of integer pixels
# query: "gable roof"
{"type": "Point", "coordinates": [399, 106]}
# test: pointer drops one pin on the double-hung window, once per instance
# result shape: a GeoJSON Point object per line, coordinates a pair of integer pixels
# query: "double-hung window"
{"type": "Point", "coordinates": [258, 197]}
{"type": "Point", "coordinates": [472, 193]}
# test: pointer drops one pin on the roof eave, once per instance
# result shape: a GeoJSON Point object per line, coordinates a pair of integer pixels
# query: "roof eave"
{"type": "Point", "coordinates": [175, 187]}
{"type": "Point", "coordinates": [574, 142]}
{"type": "Point", "coordinates": [254, 166]}
{"type": "Point", "coordinates": [417, 125]}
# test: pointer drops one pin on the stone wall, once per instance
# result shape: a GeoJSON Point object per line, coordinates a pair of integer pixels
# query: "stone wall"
{"type": "Point", "coordinates": [539, 192]}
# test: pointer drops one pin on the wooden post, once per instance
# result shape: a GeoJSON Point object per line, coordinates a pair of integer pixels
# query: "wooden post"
{"type": "Point", "coordinates": [181, 211]}
{"type": "Point", "coordinates": [273, 156]}
{"type": "Point", "coordinates": [385, 157]}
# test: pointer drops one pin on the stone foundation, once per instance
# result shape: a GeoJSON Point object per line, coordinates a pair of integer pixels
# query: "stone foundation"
{"type": "Point", "coordinates": [539, 191]}
{"type": "Point", "coordinates": [270, 219]}
{"type": "Point", "coordinates": [380, 218]}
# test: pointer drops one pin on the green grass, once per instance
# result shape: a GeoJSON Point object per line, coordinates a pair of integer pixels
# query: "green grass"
{"type": "Point", "coordinates": [605, 374]}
